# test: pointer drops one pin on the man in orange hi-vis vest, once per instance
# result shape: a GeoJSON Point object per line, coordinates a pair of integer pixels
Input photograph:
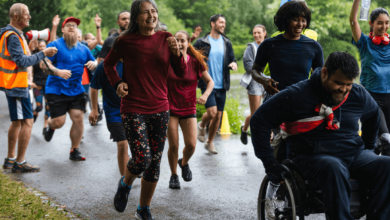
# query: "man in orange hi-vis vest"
{"type": "Point", "coordinates": [15, 67]}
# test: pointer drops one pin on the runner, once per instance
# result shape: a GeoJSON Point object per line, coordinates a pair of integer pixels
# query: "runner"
{"type": "Point", "coordinates": [67, 95]}
{"type": "Point", "coordinates": [255, 89]}
{"type": "Point", "coordinates": [144, 93]}
{"type": "Point", "coordinates": [375, 57]}
{"type": "Point", "coordinates": [182, 106]}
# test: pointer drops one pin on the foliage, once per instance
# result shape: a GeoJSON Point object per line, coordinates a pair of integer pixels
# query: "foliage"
{"type": "Point", "coordinates": [17, 203]}
{"type": "Point", "coordinates": [239, 51]}
{"type": "Point", "coordinates": [235, 114]}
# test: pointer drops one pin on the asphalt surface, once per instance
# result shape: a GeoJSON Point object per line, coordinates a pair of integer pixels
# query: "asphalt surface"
{"type": "Point", "coordinates": [224, 186]}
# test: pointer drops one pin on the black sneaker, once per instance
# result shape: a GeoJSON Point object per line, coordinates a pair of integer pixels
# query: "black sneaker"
{"type": "Point", "coordinates": [174, 182]}
{"type": "Point", "coordinates": [24, 168]}
{"type": "Point", "coordinates": [143, 213]}
{"type": "Point", "coordinates": [35, 117]}
{"type": "Point", "coordinates": [8, 164]}
{"type": "Point", "coordinates": [186, 173]}
{"type": "Point", "coordinates": [43, 131]}
{"type": "Point", "coordinates": [244, 136]}
{"type": "Point", "coordinates": [75, 154]}
{"type": "Point", "coordinates": [100, 117]}
{"type": "Point", "coordinates": [48, 134]}
{"type": "Point", "coordinates": [121, 196]}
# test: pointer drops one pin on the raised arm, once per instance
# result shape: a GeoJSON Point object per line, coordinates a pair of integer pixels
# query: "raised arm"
{"type": "Point", "coordinates": [98, 39]}
{"type": "Point", "coordinates": [53, 33]}
{"type": "Point", "coordinates": [178, 63]}
{"type": "Point", "coordinates": [355, 27]}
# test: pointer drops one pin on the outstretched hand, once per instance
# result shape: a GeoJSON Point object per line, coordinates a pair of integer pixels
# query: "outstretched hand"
{"type": "Point", "coordinates": [197, 32]}
{"type": "Point", "coordinates": [173, 45]}
{"type": "Point", "coordinates": [56, 20]}
{"type": "Point", "coordinates": [98, 21]}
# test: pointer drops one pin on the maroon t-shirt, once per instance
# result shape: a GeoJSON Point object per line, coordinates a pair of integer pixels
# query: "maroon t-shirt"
{"type": "Point", "coordinates": [182, 91]}
{"type": "Point", "coordinates": [146, 61]}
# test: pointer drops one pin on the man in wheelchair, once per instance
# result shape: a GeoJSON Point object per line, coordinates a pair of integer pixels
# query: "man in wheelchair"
{"type": "Point", "coordinates": [319, 120]}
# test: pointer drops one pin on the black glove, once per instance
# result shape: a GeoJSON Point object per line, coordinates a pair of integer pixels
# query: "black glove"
{"type": "Point", "coordinates": [275, 172]}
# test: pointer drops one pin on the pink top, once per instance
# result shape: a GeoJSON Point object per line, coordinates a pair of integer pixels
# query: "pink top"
{"type": "Point", "coordinates": [146, 61]}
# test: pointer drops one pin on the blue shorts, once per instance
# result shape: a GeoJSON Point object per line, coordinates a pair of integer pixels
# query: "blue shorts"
{"type": "Point", "coordinates": [216, 98]}
{"type": "Point", "coordinates": [19, 108]}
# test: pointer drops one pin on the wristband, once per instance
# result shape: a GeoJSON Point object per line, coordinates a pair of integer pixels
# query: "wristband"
{"type": "Point", "coordinates": [97, 27]}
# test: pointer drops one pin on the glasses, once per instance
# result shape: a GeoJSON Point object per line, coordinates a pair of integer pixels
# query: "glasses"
{"type": "Point", "coordinates": [71, 26]}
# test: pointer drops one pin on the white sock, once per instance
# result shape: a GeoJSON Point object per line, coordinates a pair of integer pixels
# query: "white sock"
{"type": "Point", "coordinates": [13, 159]}
{"type": "Point", "coordinates": [19, 163]}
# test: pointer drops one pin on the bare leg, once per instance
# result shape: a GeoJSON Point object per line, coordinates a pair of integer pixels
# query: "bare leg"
{"type": "Point", "coordinates": [13, 134]}
{"type": "Point", "coordinates": [254, 104]}
{"type": "Point", "coordinates": [77, 129]}
{"type": "Point", "coordinates": [208, 116]}
{"type": "Point", "coordinates": [147, 191]}
{"type": "Point", "coordinates": [189, 129]}
{"type": "Point", "coordinates": [214, 125]}
{"type": "Point", "coordinates": [46, 121]}
{"type": "Point", "coordinates": [173, 139]}
{"type": "Point", "coordinates": [56, 123]}
{"type": "Point", "coordinates": [123, 156]}
{"type": "Point", "coordinates": [129, 178]}
{"type": "Point", "coordinates": [24, 138]}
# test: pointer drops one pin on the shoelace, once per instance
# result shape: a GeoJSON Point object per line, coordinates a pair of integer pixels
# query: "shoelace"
{"type": "Point", "coordinates": [147, 209]}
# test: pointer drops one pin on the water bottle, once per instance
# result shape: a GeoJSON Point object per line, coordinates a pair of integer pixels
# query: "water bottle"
{"type": "Point", "coordinates": [364, 10]}
{"type": "Point", "coordinates": [271, 190]}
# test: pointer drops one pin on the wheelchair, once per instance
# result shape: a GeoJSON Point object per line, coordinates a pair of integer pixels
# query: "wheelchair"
{"type": "Point", "coordinates": [302, 198]}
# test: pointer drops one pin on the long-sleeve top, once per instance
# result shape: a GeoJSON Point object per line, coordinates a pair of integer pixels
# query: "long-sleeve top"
{"type": "Point", "coordinates": [146, 61]}
{"type": "Point", "coordinates": [249, 57]}
{"type": "Point", "coordinates": [16, 50]}
{"type": "Point", "coordinates": [298, 102]}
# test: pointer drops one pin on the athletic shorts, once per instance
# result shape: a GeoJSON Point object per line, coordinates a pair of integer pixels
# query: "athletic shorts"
{"type": "Point", "coordinates": [255, 88]}
{"type": "Point", "coordinates": [117, 131]}
{"type": "Point", "coordinates": [216, 98]}
{"type": "Point", "coordinates": [19, 108]}
{"type": "Point", "coordinates": [184, 117]}
{"type": "Point", "coordinates": [59, 105]}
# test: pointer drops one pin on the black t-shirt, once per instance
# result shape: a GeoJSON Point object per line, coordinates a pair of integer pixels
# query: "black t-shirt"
{"type": "Point", "coordinates": [290, 61]}
{"type": "Point", "coordinates": [108, 45]}
{"type": "Point", "coordinates": [40, 77]}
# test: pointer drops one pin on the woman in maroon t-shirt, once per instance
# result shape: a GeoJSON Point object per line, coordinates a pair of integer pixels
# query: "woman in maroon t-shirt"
{"type": "Point", "coordinates": [182, 107]}
{"type": "Point", "coordinates": [147, 56]}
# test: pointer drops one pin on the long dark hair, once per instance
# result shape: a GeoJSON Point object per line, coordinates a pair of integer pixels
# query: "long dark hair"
{"type": "Point", "coordinates": [193, 52]}
{"type": "Point", "coordinates": [134, 12]}
{"type": "Point", "coordinates": [375, 14]}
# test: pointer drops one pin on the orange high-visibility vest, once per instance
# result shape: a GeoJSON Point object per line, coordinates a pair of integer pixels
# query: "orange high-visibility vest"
{"type": "Point", "coordinates": [11, 76]}
{"type": "Point", "coordinates": [85, 78]}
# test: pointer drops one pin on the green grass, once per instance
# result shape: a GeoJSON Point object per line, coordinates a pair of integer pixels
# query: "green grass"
{"type": "Point", "coordinates": [18, 203]}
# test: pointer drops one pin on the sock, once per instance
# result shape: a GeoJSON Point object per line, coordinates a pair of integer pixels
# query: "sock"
{"type": "Point", "coordinates": [12, 159]}
{"type": "Point", "coordinates": [143, 207]}
{"type": "Point", "coordinates": [124, 184]}
{"type": "Point", "coordinates": [20, 163]}
{"type": "Point", "coordinates": [271, 190]}
{"type": "Point", "coordinates": [242, 130]}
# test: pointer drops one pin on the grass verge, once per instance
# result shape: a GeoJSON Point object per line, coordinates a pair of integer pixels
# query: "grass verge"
{"type": "Point", "coordinates": [18, 203]}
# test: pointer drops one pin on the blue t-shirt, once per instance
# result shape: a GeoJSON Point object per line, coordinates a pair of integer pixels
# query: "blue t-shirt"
{"type": "Point", "coordinates": [290, 61]}
{"type": "Point", "coordinates": [72, 60]}
{"type": "Point", "coordinates": [215, 61]}
{"type": "Point", "coordinates": [375, 60]}
{"type": "Point", "coordinates": [111, 101]}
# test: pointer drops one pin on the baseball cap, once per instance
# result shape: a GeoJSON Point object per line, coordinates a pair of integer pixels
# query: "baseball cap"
{"type": "Point", "coordinates": [69, 19]}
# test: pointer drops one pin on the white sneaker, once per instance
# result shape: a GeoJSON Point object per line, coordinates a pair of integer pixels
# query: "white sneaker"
{"type": "Point", "coordinates": [271, 205]}
{"type": "Point", "coordinates": [201, 133]}
{"type": "Point", "coordinates": [210, 148]}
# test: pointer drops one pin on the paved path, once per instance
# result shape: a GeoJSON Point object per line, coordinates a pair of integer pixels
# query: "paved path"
{"type": "Point", "coordinates": [224, 186]}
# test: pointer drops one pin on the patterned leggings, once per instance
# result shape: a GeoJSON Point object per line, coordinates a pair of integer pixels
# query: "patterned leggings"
{"type": "Point", "coordinates": [146, 134]}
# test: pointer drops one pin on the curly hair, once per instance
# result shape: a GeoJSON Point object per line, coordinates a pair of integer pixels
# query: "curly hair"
{"type": "Point", "coordinates": [289, 11]}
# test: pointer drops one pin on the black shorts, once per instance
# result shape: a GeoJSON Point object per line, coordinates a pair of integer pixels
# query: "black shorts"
{"type": "Point", "coordinates": [117, 131]}
{"type": "Point", "coordinates": [60, 104]}
{"type": "Point", "coordinates": [184, 117]}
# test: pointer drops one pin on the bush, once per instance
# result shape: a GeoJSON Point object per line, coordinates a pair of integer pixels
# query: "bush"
{"type": "Point", "coordinates": [239, 51]}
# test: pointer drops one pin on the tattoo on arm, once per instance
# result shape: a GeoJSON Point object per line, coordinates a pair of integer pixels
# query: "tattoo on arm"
{"type": "Point", "coordinates": [48, 67]}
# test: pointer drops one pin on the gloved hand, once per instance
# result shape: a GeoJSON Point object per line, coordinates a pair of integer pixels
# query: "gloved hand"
{"type": "Point", "coordinates": [275, 173]}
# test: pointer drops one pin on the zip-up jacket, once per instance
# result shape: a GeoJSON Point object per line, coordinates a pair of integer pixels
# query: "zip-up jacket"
{"type": "Point", "coordinates": [228, 57]}
{"type": "Point", "coordinates": [14, 62]}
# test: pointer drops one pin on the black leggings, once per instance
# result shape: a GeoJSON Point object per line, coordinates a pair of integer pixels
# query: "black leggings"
{"type": "Point", "coordinates": [146, 134]}
{"type": "Point", "coordinates": [383, 101]}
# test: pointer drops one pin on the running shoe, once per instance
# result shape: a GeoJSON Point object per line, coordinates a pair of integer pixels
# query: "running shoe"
{"type": "Point", "coordinates": [210, 148]}
{"type": "Point", "coordinates": [201, 133]}
{"type": "Point", "coordinates": [48, 134]}
{"type": "Point", "coordinates": [244, 136]}
{"type": "Point", "coordinates": [269, 209]}
{"type": "Point", "coordinates": [35, 117]}
{"type": "Point", "coordinates": [43, 131]}
{"type": "Point", "coordinates": [8, 164]}
{"type": "Point", "coordinates": [24, 168]}
{"type": "Point", "coordinates": [186, 173]}
{"type": "Point", "coordinates": [75, 155]}
{"type": "Point", "coordinates": [121, 196]}
{"type": "Point", "coordinates": [100, 117]}
{"type": "Point", "coordinates": [174, 182]}
{"type": "Point", "coordinates": [143, 213]}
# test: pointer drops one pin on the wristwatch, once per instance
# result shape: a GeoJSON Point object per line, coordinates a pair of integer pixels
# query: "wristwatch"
{"type": "Point", "coordinates": [97, 27]}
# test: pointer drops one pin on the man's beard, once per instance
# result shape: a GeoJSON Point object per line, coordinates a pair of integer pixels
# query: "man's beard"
{"type": "Point", "coordinates": [70, 40]}
{"type": "Point", "coordinates": [220, 32]}
{"type": "Point", "coordinates": [329, 99]}
{"type": "Point", "coordinates": [122, 28]}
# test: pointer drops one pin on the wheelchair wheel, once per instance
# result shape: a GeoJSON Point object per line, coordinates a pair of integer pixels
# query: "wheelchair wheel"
{"type": "Point", "coordinates": [286, 211]}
